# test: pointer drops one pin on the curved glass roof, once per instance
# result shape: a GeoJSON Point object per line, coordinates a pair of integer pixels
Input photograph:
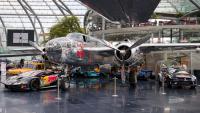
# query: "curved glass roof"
{"type": "Point", "coordinates": [41, 14]}
{"type": "Point", "coordinates": [123, 11]}
{"type": "Point", "coordinates": [178, 6]}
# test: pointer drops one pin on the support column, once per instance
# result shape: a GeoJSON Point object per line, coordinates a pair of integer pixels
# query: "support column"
{"type": "Point", "coordinates": [103, 27]}
{"type": "Point", "coordinates": [159, 37]}
{"type": "Point", "coordinates": [51, 10]}
{"type": "Point", "coordinates": [24, 8]}
{"type": "Point", "coordinates": [162, 35]}
{"type": "Point", "coordinates": [32, 11]}
{"type": "Point", "coordinates": [152, 37]}
{"type": "Point", "coordinates": [194, 3]}
{"type": "Point", "coordinates": [181, 35]}
{"type": "Point", "coordinates": [59, 7]}
{"type": "Point", "coordinates": [171, 35]}
{"type": "Point", "coordinates": [165, 56]}
{"type": "Point", "coordinates": [191, 65]}
{"type": "Point", "coordinates": [66, 8]}
{"type": "Point", "coordinates": [4, 27]}
{"type": "Point", "coordinates": [62, 7]}
{"type": "Point", "coordinates": [16, 13]}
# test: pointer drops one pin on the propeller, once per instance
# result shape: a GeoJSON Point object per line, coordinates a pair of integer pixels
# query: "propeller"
{"type": "Point", "coordinates": [108, 44]}
{"type": "Point", "coordinates": [124, 53]}
{"type": "Point", "coordinates": [139, 42]}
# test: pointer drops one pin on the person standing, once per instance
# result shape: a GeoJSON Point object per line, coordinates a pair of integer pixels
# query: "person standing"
{"type": "Point", "coordinates": [133, 76]}
{"type": "Point", "coordinates": [21, 63]}
{"type": "Point", "coordinates": [123, 76]}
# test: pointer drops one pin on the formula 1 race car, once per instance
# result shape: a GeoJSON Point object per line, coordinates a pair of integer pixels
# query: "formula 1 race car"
{"type": "Point", "coordinates": [175, 77]}
{"type": "Point", "coordinates": [32, 80]}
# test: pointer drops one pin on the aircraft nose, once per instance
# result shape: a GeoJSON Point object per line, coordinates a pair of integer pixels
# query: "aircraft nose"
{"type": "Point", "coordinates": [54, 52]}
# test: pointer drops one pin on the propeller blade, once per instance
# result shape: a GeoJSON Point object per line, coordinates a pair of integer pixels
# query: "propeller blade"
{"type": "Point", "coordinates": [108, 44]}
{"type": "Point", "coordinates": [36, 46]}
{"type": "Point", "coordinates": [140, 41]}
{"type": "Point", "coordinates": [104, 42]}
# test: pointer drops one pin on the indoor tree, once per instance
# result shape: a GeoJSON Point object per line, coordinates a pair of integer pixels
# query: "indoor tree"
{"type": "Point", "coordinates": [65, 26]}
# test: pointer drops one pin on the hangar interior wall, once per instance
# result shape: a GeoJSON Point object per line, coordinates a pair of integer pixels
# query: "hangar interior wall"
{"type": "Point", "coordinates": [190, 59]}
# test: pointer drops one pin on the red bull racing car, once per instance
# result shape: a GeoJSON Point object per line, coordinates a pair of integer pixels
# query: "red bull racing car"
{"type": "Point", "coordinates": [32, 80]}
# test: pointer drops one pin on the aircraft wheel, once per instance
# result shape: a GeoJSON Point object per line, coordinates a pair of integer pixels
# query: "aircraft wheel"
{"type": "Point", "coordinates": [86, 74]}
{"type": "Point", "coordinates": [34, 85]}
{"type": "Point", "coordinates": [169, 85]}
{"type": "Point", "coordinates": [160, 83]}
{"type": "Point", "coordinates": [192, 87]}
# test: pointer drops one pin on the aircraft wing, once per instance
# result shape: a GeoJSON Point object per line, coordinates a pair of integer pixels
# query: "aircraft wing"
{"type": "Point", "coordinates": [20, 52]}
{"type": "Point", "coordinates": [123, 10]}
{"type": "Point", "coordinates": [102, 51]}
{"type": "Point", "coordinates": [160, 47]}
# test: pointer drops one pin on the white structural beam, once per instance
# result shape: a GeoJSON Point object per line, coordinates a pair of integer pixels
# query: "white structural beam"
{"type": "Point", "coordinates": [146, 29]}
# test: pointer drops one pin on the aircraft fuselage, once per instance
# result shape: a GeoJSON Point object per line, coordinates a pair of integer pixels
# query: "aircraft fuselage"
{"type": "Point", "coordinates": [70, 50]}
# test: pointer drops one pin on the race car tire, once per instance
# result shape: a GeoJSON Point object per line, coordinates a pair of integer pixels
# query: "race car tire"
{"type": "Point", "coordinates": [192, 87]}
{"type": "Point", "coordinates": [34, 85]}
{"type": "Point", "coordinates": [146, 78]}
{"type": "Point", "coordinates": [169, 85]}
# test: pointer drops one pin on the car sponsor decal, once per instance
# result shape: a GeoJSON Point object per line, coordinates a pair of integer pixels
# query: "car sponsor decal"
{"type": "Point", "coordinates": [49, 79]}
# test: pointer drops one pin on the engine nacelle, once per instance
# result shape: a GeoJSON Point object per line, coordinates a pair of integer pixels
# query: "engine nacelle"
{"type": "Point", "coordinates": [129, 57]}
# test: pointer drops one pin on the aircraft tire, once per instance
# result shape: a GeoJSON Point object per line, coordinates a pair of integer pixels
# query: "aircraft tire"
{"type": "Point", "coordinates": [64, 85]}
{"type": "Point", "coordinates": [160, 83]}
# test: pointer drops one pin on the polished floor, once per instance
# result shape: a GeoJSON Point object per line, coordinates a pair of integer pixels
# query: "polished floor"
{"type": "Point", "coordinates": [95, 96]}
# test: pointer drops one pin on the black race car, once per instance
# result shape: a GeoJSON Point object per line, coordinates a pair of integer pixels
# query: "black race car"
{"type": "Point", "coordinates": [33, 80]}
{"type": "Point", "coordinates": [175, 77]}
{"type": "Point", "coordinates": [183, 78]}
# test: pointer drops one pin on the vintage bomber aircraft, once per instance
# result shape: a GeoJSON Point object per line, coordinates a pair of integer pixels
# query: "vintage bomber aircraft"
{"type": "Point", "coordinates": [81, 49]}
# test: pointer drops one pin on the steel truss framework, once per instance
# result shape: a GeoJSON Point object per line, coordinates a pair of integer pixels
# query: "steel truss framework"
{"type": "Point", "coordinates": [40, 15]}
{"type": "Point", "coordinates": [178, 6]}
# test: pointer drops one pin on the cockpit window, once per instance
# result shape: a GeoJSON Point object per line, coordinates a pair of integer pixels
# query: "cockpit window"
{"type": "Point", "coordinates": [78, 37]}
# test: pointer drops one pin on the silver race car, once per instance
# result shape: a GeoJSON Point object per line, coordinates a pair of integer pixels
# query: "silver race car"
{"type": "Point", "coordinates": [175, 77]}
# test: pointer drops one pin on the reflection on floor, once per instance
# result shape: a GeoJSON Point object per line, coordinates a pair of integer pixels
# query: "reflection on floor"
{"type": "Point", "coordinates": [95, 96]}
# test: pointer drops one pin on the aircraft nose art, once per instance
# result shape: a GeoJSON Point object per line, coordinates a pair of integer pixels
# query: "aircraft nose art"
{"type": "Point", "coordinates": [123, 10]}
